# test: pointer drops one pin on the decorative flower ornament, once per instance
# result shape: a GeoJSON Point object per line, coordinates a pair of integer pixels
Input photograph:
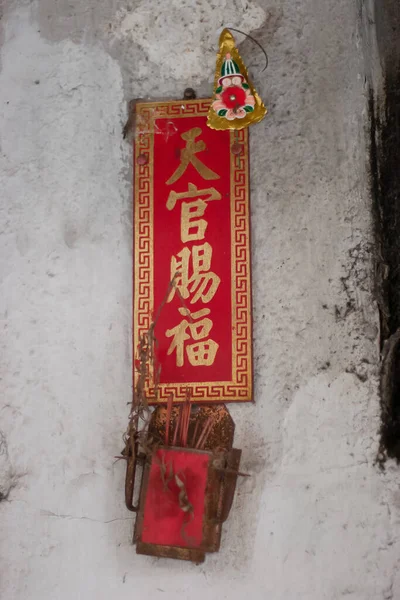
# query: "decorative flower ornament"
{"type": "Point", "coordinates": [233, 98]}
{"type": "Point", "coordinates": [236, 104]}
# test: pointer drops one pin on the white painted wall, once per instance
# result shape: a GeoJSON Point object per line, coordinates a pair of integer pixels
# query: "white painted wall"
{"type": "Point", "coordinates": [317, 520]}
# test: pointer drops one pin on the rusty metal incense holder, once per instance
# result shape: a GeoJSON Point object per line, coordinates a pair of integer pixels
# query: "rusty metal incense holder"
{"type": "Point", "coordinates": [188, 480]}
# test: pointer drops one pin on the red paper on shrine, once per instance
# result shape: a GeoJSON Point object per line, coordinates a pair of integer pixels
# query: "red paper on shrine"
{"type": "Point", "coordinates": [165, 521]}
{"type": "Point", "coordinates": [191, 228]}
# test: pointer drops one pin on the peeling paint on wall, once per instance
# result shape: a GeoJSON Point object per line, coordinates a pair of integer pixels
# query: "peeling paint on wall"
{"type": "Point", "coordinates": [186, 52]}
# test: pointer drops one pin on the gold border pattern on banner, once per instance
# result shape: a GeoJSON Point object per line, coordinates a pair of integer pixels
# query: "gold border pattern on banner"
{"type": "Point", "coordinates": [239, 388]}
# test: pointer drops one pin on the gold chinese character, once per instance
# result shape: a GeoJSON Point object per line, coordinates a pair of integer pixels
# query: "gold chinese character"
{"type": "Point", "coordinates": [188, 156]}
{"type": "Point", "coordinates": [199, 354]}
{"type": "Point", "coordinates": [203, 283]}
{"type": "Point", "coordinates": [193, 228]}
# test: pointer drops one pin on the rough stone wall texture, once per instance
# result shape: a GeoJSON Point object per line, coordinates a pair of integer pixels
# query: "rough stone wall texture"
{"type": "Point", "coordinates": [317, 519]}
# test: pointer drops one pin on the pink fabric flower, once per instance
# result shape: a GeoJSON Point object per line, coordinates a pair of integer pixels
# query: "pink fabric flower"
{"type": "Point", "coordinates": [250, 100]}
{"type": "Point", "coordinates": [218, 103]}
{"type": "Point", "coordinates": [239, 114]}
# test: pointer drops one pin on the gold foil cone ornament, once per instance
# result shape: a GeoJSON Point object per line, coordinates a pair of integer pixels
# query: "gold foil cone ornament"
{"type": "Point", "coordinates": [235, 103]}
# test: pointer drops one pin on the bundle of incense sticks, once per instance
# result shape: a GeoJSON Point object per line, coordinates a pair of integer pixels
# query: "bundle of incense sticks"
{"type": "Point", "coordinates": [180, 434]}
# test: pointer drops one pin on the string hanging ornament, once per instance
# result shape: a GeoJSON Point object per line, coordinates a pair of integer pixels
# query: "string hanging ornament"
{"type": "Point", "coordinates": [235, 104]}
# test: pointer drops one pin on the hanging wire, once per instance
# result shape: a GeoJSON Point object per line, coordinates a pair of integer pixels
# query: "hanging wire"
{"type": "Point", "coordinates": [255, 41]}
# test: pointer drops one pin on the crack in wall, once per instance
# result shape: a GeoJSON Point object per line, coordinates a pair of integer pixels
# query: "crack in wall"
{"type": "Point", "coordinates": [48, 513]}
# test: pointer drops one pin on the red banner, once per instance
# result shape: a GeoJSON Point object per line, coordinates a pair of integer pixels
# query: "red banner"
{"type": "Point", "coordinates": [192, 228]}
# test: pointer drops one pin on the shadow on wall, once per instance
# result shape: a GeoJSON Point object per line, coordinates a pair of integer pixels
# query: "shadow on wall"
{"type": "Point", "coordinates": [384, 114]}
